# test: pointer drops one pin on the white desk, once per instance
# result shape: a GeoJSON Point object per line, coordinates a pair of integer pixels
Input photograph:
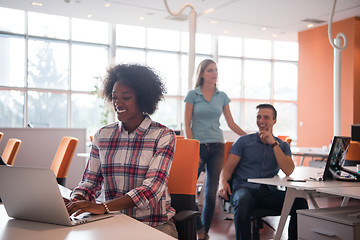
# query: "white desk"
{"type": "Point", "coordinates": [309, 152]}
{"type": "Point", "coordinates": [118, 227]}
{"type": "Point", "coordinates": [299, 189]}
{"type": "Point", "coordinates": [350, 192]}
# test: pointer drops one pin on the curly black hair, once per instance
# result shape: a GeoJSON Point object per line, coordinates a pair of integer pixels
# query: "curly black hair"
{"type": "Point", "coordinates": [147, 84]}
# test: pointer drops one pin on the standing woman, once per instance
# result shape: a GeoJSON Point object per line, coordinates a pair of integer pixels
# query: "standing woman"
{"type": "Point", "coordinates": [203, 108]}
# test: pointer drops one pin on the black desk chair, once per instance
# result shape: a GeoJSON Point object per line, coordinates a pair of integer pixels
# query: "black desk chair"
{"type": "Point", "coordinates": [257, 221]}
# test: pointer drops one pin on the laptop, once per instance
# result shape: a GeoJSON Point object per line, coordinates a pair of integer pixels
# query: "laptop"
{"type": "Point", "coordinates": [33, 194]}
{"type": "Point", "coordinates": [334, 168]}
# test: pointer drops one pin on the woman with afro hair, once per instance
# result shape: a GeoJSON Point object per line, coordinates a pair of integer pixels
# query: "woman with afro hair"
{"type": "Point", "coordinates": [130, 159]}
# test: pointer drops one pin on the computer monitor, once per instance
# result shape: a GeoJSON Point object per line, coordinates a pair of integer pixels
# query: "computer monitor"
{"type": "Point", "coordinates": [335, 161]}
{"type": "Point", "coordinates": [355, 132]}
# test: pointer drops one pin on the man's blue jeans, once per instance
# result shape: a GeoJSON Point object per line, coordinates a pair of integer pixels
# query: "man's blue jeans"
{"type": "Point", "coordinates": [212, 160]}
{"type": "Point", "coordinates": [245, 200]}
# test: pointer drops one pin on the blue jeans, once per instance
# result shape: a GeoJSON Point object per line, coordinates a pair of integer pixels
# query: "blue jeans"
{"type": "Point", "coordinates": [245, 200]}
{"type": "Point", "coordinates": [212, 160]}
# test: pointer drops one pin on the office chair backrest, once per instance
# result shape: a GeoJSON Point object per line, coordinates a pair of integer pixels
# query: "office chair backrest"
{"type": "Point", "coordinates": [353, 153]}
{"type": "Point", "coordinates": [179, 137]}
{"type": "Point", "coordinates": [10, 151]}
{"type": "Point", "coordinates": [285, 139]}
{"type": "Point", "coordinates": [227, 149]}
{"type": "Point", "coordinates": [63, 156]}
{"type": "Point", "coordinates": [183, 173]}
{"type": "Point", "coordinates": [182, 186]}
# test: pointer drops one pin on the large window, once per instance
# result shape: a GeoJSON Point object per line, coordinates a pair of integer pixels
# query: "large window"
{"type": "Point", "coordinates": [12, 61]}
{"type": "Point", "coordinates": [48, 64]}
{"type": "Point", "coordinates": [88, 66]}
{"type": "Point", "coordinates": [51, 69]}
{"type": "Point", "coordinates": [253, 71]}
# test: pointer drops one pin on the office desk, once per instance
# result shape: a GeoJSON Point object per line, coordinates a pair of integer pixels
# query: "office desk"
{"type": "Point", "coordinates": [309, 152]}
{"type": "Point", "coordinates": [299, 189]}
{"type": "Point", "coordinates": [118, 227]}
{"type": "Point", "coordinates": [350, 192]}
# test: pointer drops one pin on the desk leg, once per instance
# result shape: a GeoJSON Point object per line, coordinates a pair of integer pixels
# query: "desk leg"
{"type": "Point", "coordinates": [314, 203]}
{"type": "Point", "coordinates": [345, 201]}
{"type": "Point", "coordinates": [302, 160]}
{"type": "Point", "coordinates": [291, 194]}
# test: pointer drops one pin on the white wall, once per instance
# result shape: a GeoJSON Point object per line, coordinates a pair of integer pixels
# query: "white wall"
{"type": "Point", "coordinates": [39, 146]}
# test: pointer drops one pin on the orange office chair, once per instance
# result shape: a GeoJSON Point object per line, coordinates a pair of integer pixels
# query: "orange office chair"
{"type": "Point", "coordinates": [182, 186]}
{"type": "Point", "coordinates": [353, 154]}
{"type": "Point", "coordinates": [285, 139]}
{"type": "Point", "coordinates": [62, 159]}
{"type": "Point", "coordinates": [227, 148]}
{"type": "Point", "coordinates": [179, 137]}
{"type": "Point", "coordinates": [10, 151]}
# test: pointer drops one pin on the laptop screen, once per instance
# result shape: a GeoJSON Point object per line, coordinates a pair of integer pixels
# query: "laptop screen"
{"type": "Point", "coordinates": [336, 158]}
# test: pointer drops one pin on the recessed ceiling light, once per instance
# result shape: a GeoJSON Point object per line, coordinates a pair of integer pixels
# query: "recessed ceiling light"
{"type": "Point", "coordinates": [226, 32]}
{"type": "Point", "coordinates": [213, 22]}
{"type": "Point", "coordinates": [263, 29]}
{"type": "Point", "coordinates": [141, 18]}
{"type": "Point", "coordinates": [38, 4]}
{"type": "Point", "coordinates": [210, 10]}
{"type": "Point", "coordinates": [310, 25]}
{"type": "Point", "coordinates": [89, 15]}
{"type": "Point", "coordinates": [107, 5]}
{"type": "Point", "coordinates": [274, 35]}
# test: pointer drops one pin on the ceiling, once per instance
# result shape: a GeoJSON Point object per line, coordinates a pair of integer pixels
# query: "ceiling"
{"type": "Point", "coordinates": [264, 19]}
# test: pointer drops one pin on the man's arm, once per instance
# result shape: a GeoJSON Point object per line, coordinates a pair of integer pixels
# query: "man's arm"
{"type": "Point", "coordinates": [286, 164]}
{"type": "Point", "coordinates": [225, 175]}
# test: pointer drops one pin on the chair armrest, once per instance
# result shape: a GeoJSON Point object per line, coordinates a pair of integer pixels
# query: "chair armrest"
{"type": "Point", "coordinates": [185, 214]}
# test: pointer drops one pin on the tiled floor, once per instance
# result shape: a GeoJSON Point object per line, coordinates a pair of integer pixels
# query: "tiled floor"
{"type": "Point", "coordinates": [222, 229]}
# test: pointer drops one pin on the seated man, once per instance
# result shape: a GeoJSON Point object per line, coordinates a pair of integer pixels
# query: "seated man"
{"type": "Point", "coordinates": [258, 155]}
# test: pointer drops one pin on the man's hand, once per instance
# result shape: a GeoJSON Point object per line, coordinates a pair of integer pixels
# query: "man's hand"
{"type": "Point", "coordinates": [224, 190]}
{"type": "Point", "coordinates": [266, 136]}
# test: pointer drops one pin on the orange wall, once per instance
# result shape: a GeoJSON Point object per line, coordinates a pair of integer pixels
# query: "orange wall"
{"type": "Point", "coordinates": [315, 83]}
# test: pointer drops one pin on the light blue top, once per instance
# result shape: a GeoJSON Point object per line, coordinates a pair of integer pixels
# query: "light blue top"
{"type": "Point", "coordinates": [205, 124]}
{"type": "Point", "coordinates": [257, 160]}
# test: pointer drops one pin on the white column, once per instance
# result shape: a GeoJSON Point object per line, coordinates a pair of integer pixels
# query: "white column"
{"type": "Point", "coordinates": [337, 86]}
{"type": "Point", "coordinates": [192, 32]}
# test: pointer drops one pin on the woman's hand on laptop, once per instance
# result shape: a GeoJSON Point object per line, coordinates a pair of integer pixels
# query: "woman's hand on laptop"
{"type": "Point", "coordinates": [78, 207]}
{"type": "Point", "coordinates": [74, 199]}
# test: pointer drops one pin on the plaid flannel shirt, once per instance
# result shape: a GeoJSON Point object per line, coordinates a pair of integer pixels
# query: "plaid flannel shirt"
{"type": "Point", "coordinates": [135, 164]}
